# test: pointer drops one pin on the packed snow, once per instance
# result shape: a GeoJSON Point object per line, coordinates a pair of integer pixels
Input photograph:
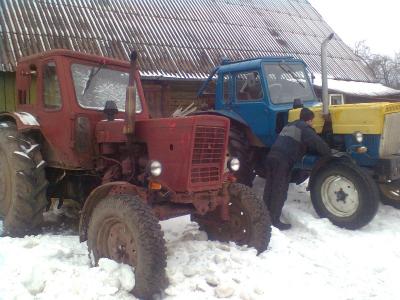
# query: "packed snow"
{"type": "Point", "coordinates": [313, 260]}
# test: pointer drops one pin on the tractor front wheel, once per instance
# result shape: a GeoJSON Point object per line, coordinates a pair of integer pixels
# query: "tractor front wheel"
{"type": "Point", "coordinates": [124, 229]}
{"type": "Point", "coordinates": [249, 221]}
{"type": "Point", "coordinates": [390, 193]}
{"type": "Point", "coordinates": [22, 182]}
{"type": "Point", "coordinates": [345, 194]}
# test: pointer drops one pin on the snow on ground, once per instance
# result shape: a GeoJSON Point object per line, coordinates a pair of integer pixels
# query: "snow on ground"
{"type": "Point", "coordinates": [313, 260]}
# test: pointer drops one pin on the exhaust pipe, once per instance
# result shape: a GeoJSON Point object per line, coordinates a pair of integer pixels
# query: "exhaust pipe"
{"type": "Point", "coordinates": [130, 100]}
{"type": "Point", "coordinates": [325, 100]}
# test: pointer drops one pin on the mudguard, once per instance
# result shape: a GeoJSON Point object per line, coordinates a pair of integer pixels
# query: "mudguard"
{"type": "Point", "coordinates": [98, 194]}
{"type": "Point", "coordinates": [224, 113]}
{"type": "Point", "coordinates": [24, 120]}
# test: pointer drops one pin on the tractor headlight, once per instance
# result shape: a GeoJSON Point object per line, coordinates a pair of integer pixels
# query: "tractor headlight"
{"type": "Point", "coordinates": [234, 164]}
{"type": "Point", "coordinates": [155, 168]}
{"type": "Point", "coordinates": [359, 137]}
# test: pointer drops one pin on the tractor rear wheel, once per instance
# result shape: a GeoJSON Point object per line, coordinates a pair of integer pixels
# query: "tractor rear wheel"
{"type": "Point", "coordinates": [124, 229]}
{"type": "Point", "coordinates": [22, 182]}
{"type": "Point", "coordinates": [390, 193]}
{"type": "Point", "coordinates": [345, 194]}
{"type": "Point", "coordinates": [239, 147]}
{"type": "Point", "coordinates": [249, 222]}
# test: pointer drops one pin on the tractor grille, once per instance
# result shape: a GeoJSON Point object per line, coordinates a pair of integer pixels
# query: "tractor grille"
{"type": "Point", "coordinates": [390, 139]}
{"type": "Point", "coordinates": [208, 153]}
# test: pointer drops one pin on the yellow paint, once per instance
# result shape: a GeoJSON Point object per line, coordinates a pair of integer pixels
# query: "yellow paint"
{"type": "Point", "coordinates": [348, 118]}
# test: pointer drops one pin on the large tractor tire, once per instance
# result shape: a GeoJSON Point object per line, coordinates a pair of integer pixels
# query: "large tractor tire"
{"type": "Point", "coordinates": [124, 229]}
{"type": "Point", "coordinates": [239, 147]}
{"type": "Point", "coordinates": [249, 222]}
{"type": "Point", "coordinates": [345, 194]}
{"type": "Point", "coordinates": [390, 193]}
{"type": "Point", "coordinates": [22, 182]}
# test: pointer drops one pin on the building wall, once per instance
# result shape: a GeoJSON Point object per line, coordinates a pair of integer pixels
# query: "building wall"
{"type": "Point", "coordinates": [7, 91]}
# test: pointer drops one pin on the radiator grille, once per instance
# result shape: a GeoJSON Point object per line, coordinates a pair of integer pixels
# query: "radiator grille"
{"type": "Point", "coordinates": [208, 153]}
{"type": "Point", "coordinates": [390, 139]}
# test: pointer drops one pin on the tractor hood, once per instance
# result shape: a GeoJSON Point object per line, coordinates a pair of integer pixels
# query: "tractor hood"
{"type": "Point", "coordinates": [368, 118]}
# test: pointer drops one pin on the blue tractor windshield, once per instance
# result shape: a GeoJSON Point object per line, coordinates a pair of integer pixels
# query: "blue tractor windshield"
{"type": "Point", "coordinates": [286, 82]}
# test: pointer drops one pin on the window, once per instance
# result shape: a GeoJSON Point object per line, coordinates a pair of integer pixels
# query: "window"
{"type": "Point", "coordinates": [94, 85]}
{"type": "Point", "coordinates": [225, 86]}
{"type": "Point", "coordinates": [336, 99]}
{"type": "Point", "coordinates": [51, 93]}
{"type": "Point", "coordinates": [287, 82]}
{"type": "Point", "coordinates": [248, 87]}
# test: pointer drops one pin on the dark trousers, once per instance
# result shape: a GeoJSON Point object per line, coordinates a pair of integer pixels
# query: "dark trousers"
{"type": "Point", "coordinates": [277, 177]}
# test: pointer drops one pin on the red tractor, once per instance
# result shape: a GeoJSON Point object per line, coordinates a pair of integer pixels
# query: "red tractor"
{"type": "Point", "coordinates": [82, 131]}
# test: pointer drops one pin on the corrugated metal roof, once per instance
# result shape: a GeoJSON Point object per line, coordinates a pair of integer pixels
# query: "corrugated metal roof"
{"type": "Point", "coordinates": [175, 38]}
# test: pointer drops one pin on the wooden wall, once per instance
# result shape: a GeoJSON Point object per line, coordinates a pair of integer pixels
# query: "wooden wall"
{"type": "Point", "coordinates": [7, 91]}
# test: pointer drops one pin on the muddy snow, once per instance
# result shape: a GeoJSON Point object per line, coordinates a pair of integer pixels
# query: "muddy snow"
{"type": "Point", "coordinates": [313, 260]}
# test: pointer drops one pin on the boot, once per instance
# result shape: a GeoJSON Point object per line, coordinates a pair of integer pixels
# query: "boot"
{"type": "Point", "coordinates": [280, 225]}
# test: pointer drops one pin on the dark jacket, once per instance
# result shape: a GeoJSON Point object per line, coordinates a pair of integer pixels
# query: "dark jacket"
{"type": "Point", "coordinates": [296, 139]}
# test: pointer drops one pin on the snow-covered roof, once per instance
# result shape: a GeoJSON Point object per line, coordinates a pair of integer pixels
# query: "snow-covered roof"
{"type": "Point", "coordinates": [357, 88]}
{"type": "Point", "coordinates": [175, 38]}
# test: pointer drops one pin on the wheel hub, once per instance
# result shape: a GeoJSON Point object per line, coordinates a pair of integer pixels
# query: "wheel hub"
{"type": "Point", "coordinates": [340, 196]}
{"type": "Point", "coordinates": [237, 228]}
{"type": "Point", "coordinates": [119, 243]}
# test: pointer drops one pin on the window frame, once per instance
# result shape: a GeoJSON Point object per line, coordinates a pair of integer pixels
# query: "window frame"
{"type": "Point", "coordinates": [109, 67]}
{"type": "Point", "coordinates": [258, 100]}
{"type": "Point", "coordinates": [307, 79]}
{"type": "Point", "coordinates": [43, 96]}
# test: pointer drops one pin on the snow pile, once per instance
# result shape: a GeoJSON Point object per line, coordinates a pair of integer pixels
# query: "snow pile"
{"type": "Point", "coordinates": [58, 267]}
{"type": "Point", "coordinates": [314, 260]}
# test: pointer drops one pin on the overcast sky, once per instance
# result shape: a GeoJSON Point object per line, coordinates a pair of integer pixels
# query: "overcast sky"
{"type": "Point", "coordinates": [376, 21]}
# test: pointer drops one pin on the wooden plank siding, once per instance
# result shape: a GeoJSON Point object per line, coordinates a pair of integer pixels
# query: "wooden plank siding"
{"type": "Point", "coordinates": [7, 91]}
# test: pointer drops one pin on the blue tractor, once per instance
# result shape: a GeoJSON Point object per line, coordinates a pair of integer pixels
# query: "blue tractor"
{"type": "Point", "coordinates": [261, 95]}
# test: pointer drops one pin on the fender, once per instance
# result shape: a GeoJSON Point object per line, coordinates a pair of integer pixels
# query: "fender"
{"type": "Point", "coordinates": [224, 113]}
{"type": "Point", "coordinates": [24, 120]}
{"type": "Point", "coordinates": [101, 192]}
{"type": "Point", "coordinates": [235, 118]}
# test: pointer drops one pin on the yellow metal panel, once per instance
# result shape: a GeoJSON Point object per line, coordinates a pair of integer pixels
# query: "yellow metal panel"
{"type": "Point", "coordinates": [348, 118]}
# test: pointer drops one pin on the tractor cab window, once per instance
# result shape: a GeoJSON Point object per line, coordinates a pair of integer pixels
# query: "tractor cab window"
{"type": "Point", "coordinates": [248, 87]}
{"type": "Point", "coordinates": [94, 85]}
{"type": "Point", "coordinates": [51, 93]}
{"type": "Point", "coordinates": [287, 82]}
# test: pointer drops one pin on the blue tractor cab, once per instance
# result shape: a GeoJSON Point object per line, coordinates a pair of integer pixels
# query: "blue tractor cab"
{"type": "Point", "coordinates": [258, 93]}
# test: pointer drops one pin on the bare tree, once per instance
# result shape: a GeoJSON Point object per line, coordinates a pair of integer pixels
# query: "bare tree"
{"type": "Point", "coordinates": [385, 69]}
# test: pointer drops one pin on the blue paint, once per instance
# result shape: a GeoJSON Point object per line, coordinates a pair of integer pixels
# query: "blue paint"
{"type": "Point", "coordinates": [259, 115]}
{"type": "Point", "coordinates": [371, 141]}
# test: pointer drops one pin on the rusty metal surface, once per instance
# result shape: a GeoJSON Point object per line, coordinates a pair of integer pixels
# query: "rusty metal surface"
{"type": "Point", "coordinates": [179, 39]}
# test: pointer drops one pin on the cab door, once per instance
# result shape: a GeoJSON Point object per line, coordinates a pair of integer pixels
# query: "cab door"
{"type": "Point", "coordinates": [249, 102]}
{"type": "Point", "coordinates": [53, 116]}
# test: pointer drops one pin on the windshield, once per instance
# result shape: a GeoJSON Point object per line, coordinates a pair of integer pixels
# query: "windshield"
{"type": "Point", "coordinates": [94, 85]}
{"type": "Point", "coordinates": [287, 82]}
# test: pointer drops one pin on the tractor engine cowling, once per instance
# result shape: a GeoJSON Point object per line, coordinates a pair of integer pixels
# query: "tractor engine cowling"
{"type": "Point", "coordinates": [191, 150]}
